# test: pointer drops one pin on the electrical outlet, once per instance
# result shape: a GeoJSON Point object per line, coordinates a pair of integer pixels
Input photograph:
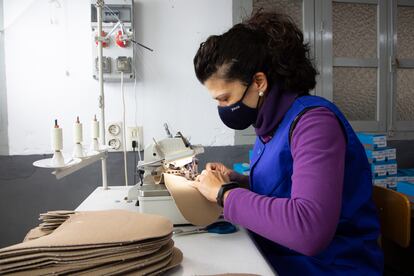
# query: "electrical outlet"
{"type": "Point", "coordinates": [114, 136]}
{"type": "Point", "coordinates": [114, 143]}
{"type": "Point", "coordinates": [114, 129]}
{"type": "Point", "coordinates": [134, 134]}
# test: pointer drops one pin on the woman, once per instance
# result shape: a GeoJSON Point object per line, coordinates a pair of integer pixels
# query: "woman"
{"type": "Point", "coordinates": [308, 198]}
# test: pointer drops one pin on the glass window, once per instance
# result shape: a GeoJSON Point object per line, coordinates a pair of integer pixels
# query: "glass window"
{"type": "Point", "coordinates": [405, 32]}
{"type": "Point", "coordinates": [405, 95]}
{"type": "Point", "coordinates": [355, 92]}
{"type": "Point", "coordinates": [354, 29]}
{"type": "Point", "coordinates": [293, 8]}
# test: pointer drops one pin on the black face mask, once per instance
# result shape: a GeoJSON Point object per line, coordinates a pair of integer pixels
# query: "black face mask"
{"type": "Point", "coordinates": [238, 115]}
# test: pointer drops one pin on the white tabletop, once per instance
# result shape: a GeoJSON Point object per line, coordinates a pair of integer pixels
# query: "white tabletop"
{"type": "Point", "coordinates": [205, 253]}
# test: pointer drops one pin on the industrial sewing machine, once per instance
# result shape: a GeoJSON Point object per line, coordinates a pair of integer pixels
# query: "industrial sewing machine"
{"type": "Point", "coordinates": [174, 155]}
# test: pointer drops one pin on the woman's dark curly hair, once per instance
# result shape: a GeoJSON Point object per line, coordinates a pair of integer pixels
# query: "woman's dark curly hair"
{"type": "Point", "coordinates": [266, 42]}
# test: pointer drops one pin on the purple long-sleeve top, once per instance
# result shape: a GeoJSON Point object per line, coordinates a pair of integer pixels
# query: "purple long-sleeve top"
{"type": "Point", "coordinates": [305, 222]}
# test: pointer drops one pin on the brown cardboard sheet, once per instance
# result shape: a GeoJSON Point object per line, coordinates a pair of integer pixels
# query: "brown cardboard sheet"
{"type": "Point", "coordinates": [192, 204]}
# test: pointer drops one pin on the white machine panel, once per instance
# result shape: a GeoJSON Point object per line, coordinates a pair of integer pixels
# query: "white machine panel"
{"type": "Point", "coordinates": [118, 49]}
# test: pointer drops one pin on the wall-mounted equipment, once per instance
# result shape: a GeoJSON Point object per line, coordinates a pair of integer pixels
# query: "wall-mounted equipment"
{"type": "Point", "coordinates": [117, 36]}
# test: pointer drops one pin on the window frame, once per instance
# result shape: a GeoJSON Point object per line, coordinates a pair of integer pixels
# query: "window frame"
{"type": "Point", "coordinates": [399, 129]}
{"type": "Point", "coordinates": [329, 61]}
{"type": "Point", "coordinates": [317, 28]}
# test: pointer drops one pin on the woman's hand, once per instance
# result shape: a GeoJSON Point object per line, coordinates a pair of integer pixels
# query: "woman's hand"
{"type": "Point", "coordinates": [219, 167]}
{"type": "Point", "coordinates": [233, 176]}
{"type": "Point", "coordinates": [209, 183]}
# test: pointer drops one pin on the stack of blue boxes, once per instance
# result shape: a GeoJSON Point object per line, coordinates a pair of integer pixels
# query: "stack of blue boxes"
{"type": "Point", "coordinates": [405, 183]}
{"type": "Point", "coordinates": [383, 159]}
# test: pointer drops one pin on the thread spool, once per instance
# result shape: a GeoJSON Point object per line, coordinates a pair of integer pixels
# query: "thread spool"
{"type": "Point", "coordinates": [57, 145]}
{"type": "Point", "coordinates": [77, 132]}
{"type": "Point", "coordinates": [95, 128]}
{"type": "Point", "coordinates": [57, 137]}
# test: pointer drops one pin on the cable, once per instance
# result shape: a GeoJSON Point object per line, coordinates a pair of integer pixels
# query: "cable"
{"type": "Point", "coordinates": [124, 128]}
{"type": "Point", "coordinates": [136, 108]}
{"type": "Point", "coordinates": [135, 94]}
{"type": "Point", "coordinates": [142, 45]}
{"type": "Point", "coordinates": [134, 47]}
{"type": "Point", "coordinates": [135, 162]}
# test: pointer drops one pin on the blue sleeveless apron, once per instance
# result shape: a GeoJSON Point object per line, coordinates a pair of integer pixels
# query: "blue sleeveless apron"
{"type": "Point", "coordinates": [354, 247]}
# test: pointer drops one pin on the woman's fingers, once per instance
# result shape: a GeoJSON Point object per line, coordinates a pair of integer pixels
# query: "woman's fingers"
{"type": "Point", "coordinates": [217, 167]}
{"type": "Point", "coordinates": [211, 166]}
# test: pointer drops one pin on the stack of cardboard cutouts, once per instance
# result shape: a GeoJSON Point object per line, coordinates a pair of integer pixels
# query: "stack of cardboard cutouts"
{"type": "Point", "coordinates": [113, 242]}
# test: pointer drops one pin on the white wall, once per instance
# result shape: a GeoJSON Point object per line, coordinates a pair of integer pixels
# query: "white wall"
{"type": "Point", "coordinates": [48, 71]}
{"type": "Point", "coordinates": [4, 138]}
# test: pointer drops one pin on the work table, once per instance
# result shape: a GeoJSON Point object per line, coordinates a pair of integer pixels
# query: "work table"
{"type": "Point", "coordinates": [205, 253]}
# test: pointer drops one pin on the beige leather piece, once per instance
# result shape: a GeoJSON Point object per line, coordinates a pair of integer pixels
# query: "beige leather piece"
{"type": "Point", "coordinates": [53, 219]}
{"type": "Point", "coordinates": [36, 233]}
{"type": "Point", "coordinates": [97, 228]}
{"type": "Point", "coordinates": [115, 242]}
{"type": "Point", "coordinates": [58, 213]}
{"type": "Point", "coordinates": [73, 250]}
{"type": "Point", "coordinates": [82, 253]}
{"type": "Point", "coordinates": [75, 264]}
{"type": "Point", "coordinates": [94, 268]}
{"type": "Point", "coordinates": [134, 270]}
{"type": "Point", "coordinates": [90, 258]}
{"type": "Point", "coordinates": [192, 204]}
{"type": "Point", "coordinates": [122, 268]}
{"type": "Point", "coordinates": [175, 259]}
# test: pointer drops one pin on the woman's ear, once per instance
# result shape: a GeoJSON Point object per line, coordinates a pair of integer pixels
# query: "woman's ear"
{"type": "Point", "coordinates": [260, 83]}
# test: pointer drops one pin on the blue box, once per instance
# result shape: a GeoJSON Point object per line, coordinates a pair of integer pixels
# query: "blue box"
{"type": "Point", "coordinates": [372, 141]}
{"type": "Point", "coordinates": [385, 181]}
{"type": "Point", "coordinates": [392, 182]}
{"type": "Point", "coordinates": [380, 181]}
{"type": "Point", "coordinates": [406, 175]}
{"type": "Point", "coordinates": [405, 188]}
{"type": "Point", "coordinates": [387, 168]}
{"type": "Point", "coordinates": [381, 154]}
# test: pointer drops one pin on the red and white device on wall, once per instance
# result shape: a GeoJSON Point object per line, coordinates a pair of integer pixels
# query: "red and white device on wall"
{"type": "Point", "coordinates": [105, 42]}
{"type": "Point", "coordinates": [117, 32]}
{"type": "Point", "coordinates": [121, 39]}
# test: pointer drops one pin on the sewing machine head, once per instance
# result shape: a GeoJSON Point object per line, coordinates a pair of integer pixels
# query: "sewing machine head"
{"type": "Point", "coordinates": [174, 155]}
